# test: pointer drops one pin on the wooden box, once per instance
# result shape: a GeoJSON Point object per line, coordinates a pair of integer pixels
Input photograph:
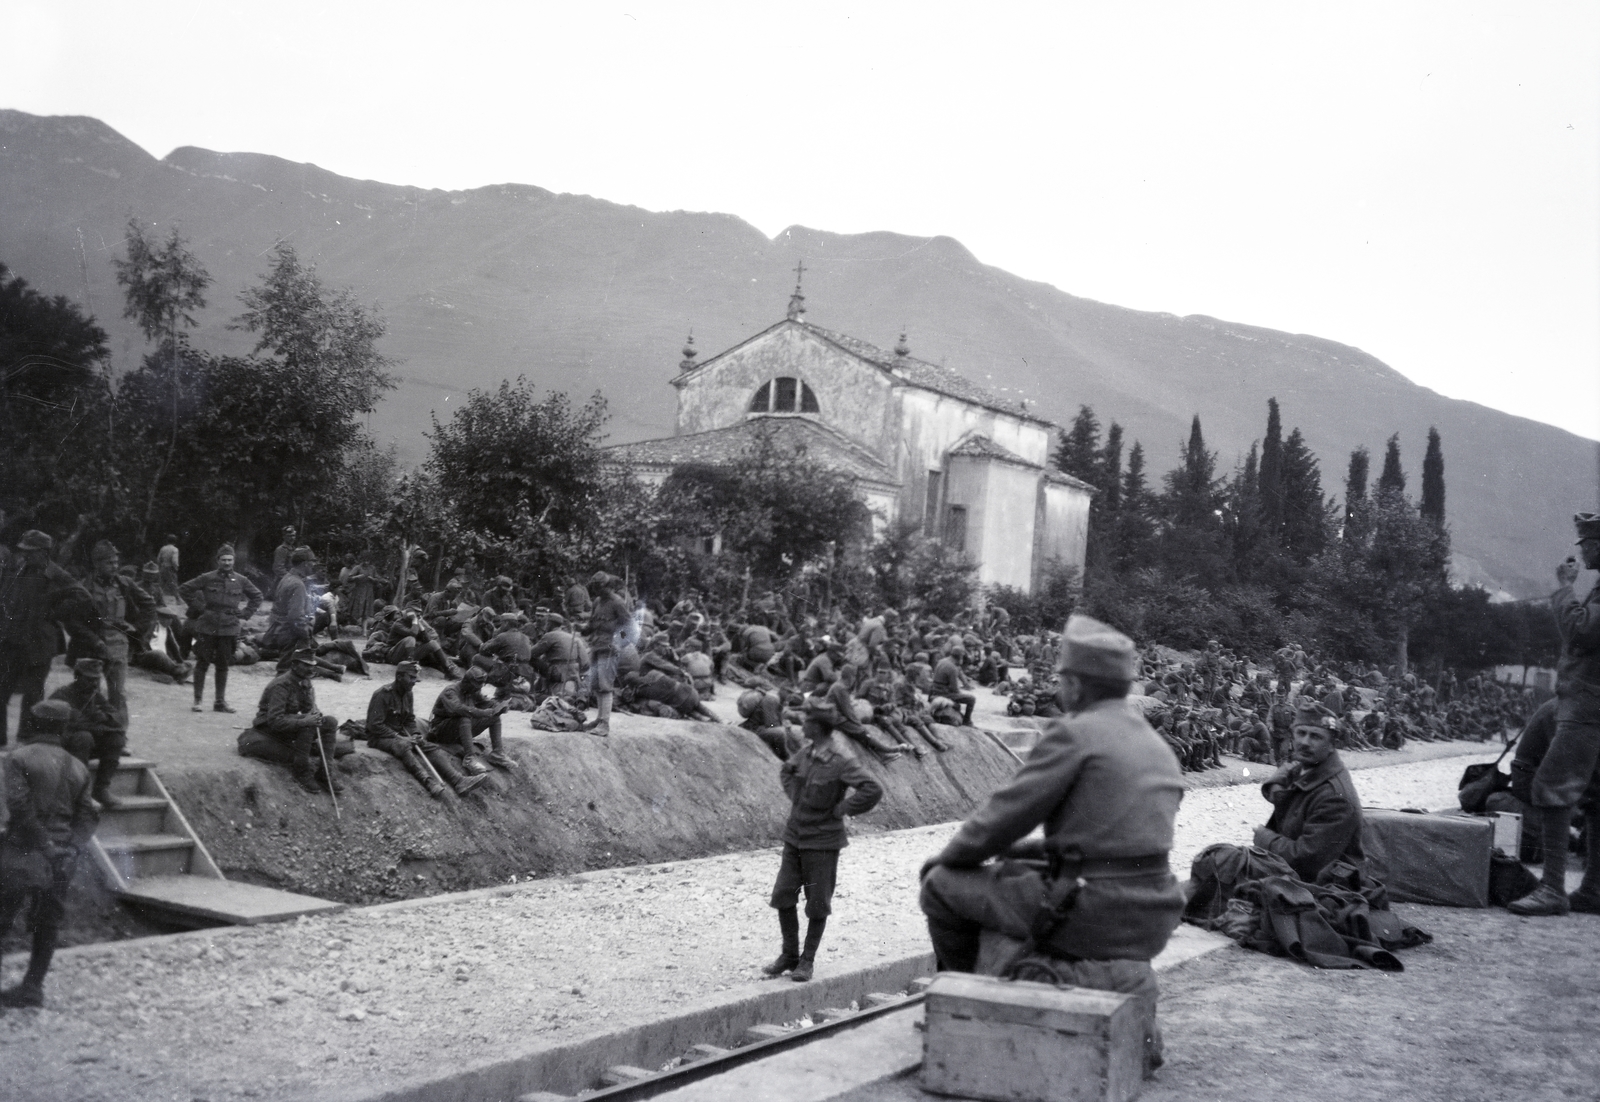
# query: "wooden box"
{"type": "Point", "coordinates": [1441, 859]}
{"type": "Point", "coordinates": [1030, 1042]}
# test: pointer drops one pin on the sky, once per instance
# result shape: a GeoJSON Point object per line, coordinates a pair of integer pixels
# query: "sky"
{"type": "Point", "coordinates": [1420, 180]}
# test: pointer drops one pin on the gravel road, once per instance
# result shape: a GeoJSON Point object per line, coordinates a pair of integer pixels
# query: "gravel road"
{"type": "Point", "coordinates": [373, 997]}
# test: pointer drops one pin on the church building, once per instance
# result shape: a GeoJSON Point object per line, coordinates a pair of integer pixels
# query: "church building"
{"type": "Point", "coordinates": [923, 443]}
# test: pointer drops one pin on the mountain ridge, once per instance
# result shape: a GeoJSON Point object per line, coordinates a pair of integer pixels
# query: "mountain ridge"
{"type": "Point", "coordinates": [581, 293]}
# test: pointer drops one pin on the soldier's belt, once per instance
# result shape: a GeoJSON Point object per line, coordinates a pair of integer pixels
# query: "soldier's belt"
{"type": "Point", "coordinates": [1110, 868]}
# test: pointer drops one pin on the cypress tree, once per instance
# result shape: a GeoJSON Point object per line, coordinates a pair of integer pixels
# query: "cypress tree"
{"type": "Point", "coordinates": [1192, 486]}
{"type": "Point", "coordinates": [1245, 511]}
{"type": "Point", "coordinates": [1305, 510]}
{"type": "Point", "coordinates": [1433, 480]}
{"type": "Point", "coordinates": [1271, 476]}
{"type": "Point", "coordinates": [1078, 450]}
{"type": "Point", "coordinates": [1355, 481]}
{"type": "Point", "coordinates": [1109, 477]}
{"type": "Point", "coordinates": [1393, 479]}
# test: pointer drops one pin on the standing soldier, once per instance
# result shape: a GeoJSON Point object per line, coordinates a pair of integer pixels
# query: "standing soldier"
{"type": "Point", "coordinates": [281, 556]}
{"type": "Point", "coordinates": [294, 610]}
{"type": "Point", "coordinates": [825, 784]}
{"type": "Point", "coordinates": [35, 596]}
{"type": "Point", "coordinates": [52, 820]}
{"type": "Point", "coordinates": [393, 728]}
{"type": "Point", "coordinates": [167, 564]}
{"type": "Point", "coordinates": [119, 603]}
{"type": "Point", "coordinates": [219, 601]}
{"type": "Point", "coordinates": [1569, 765]}
{"type": "Point", "coordinates": [1106, 789]}
{"type": "Point", "coordinates": [610, 627]}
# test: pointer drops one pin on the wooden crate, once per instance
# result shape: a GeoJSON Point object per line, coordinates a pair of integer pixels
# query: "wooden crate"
{"type": "Point", "coordinates": [1031, 1042]}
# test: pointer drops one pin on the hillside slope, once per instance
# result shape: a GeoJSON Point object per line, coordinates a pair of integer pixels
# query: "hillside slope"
{"type": "Point", "coordinates": [581, 294]}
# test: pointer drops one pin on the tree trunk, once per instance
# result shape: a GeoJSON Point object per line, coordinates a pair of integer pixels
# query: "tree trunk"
{"type": "Point", "coordinates": [172, 443]}
{"type": "Point", "coordinates": [1401, 660]}
{"type": "Point", "coordinates": [405, 568]}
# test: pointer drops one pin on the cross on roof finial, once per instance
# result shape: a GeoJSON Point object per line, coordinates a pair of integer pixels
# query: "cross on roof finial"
{"type": "Point", "coordinates": [797, 301]}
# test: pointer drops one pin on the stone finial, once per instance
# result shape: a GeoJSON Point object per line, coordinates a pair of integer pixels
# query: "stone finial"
{"type": "Point", "coordinates": [797, 301]}
{"type": "Point", "coordinates": [901, 348]}
{"type": "Point", "coordinates": [689, 353]}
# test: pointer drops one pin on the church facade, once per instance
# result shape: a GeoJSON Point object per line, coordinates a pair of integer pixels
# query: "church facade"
{"type": "Point", "coordinates": [924, 444]}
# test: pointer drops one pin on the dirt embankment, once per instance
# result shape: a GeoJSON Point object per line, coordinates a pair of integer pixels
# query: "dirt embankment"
{"type": "Point", "coordinates": [656, 790]}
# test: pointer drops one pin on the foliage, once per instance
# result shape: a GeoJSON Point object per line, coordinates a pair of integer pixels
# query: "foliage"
{"type": "Point", "coordinates": [54, 400]}
{"type": "Point", "coordinates": [163, 285]}
{"type": "Point", "coordinates": [1432, 505]}
{"type": "Point", "coordinates": [1054, 597]}
{"type": "Point", "coordinates": [913, 571]}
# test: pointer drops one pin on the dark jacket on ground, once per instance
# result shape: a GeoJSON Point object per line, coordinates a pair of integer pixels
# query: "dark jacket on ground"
{"type": "Point", "coordinates": [816, 780]}
{"type": "Point", "coordinates": [216, 598]}
{"type": "Point", "coordinates": [1316, 820]}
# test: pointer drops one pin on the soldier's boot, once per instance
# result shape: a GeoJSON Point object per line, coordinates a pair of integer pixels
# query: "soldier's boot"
{"type": "Point", "coordinates": [808, 952]}
{"type": "Point", "coordinates": [1586, 899]}
{"type": "Point", "coordinates": [104, 771]}
{"type": "Point", "coordinates": [462, 783]}
{"type": "Point", "coordinates": [789, 955]}
{"type": "Point", "coordinates": [300, 766]}
{"type": "Point", "coordinates": [220, 697]}
{"type": "Point", "coordinates": [330, 775]}
{"type": "Point", "coordinates": [1550, 897]}
{"type": "Point", "coordinates": [30, 991]}
{"type": "Point", "coordinates": [419, 769]}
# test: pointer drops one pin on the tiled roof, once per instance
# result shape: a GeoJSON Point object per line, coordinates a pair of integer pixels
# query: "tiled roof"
{"type": "Point", "coordinates": [729, 445]}
{"type": "Point", "coordinates": [981, 446]}
{"type": "Point", "coordinates": [929, 376]}
{"type": "Point", "coordinates": [1065, 479]}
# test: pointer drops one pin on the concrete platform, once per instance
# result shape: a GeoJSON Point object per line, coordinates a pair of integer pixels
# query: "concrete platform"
{"type": "Point", "coordinates": [229, 901]}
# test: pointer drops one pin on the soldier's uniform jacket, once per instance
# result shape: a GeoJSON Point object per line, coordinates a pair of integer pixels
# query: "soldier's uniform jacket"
{"type": "Point", "coordinates": [1578, 672]}
{"type": "Point", "coordinates": [1105, 785]}
{"type": "Point", "coordinates": [1316, 819]}
{"type": "Point", "coordinates": [509, 646]}
{"type": "Point", "coordinates": [292, 603]}
{"type": "Point", "coordinates": [118, 602]}
{"type": "Point", "coordinates": [47, 796]}
{"type": "Point", "coordinates": [816, 780]}
{"type": "Point", "coordinates": [283, 702]}
{"type": "Point", "coordinates": [452, 704]}
{"type": "Point", "coordinates": [91, 711]}
{"type": "Point", "coordinates": [32, 604]}
{"type": "Point", "coordinates": [217, 597]}
{"type": "Point", "coordinates": [392, 714]}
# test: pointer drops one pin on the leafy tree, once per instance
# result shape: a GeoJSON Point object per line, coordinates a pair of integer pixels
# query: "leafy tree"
{"type": "Point", "coordinates": [912, 570]}
{"type": "Point", "coordinates": [1077, 452]}
{"type": "Point", "coordinates": [54, 398]}
{"type": "Point", "coordinates": [1433, 479]}
{"type": "Point", "coordinates": [162, 287]}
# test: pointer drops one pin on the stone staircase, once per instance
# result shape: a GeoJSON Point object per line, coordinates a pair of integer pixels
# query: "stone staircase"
{"type": "Point", "coordinates": [153, 860]}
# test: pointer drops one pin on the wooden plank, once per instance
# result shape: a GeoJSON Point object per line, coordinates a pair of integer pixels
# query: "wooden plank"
{"type": "Point", "coordinates": [224, 900]}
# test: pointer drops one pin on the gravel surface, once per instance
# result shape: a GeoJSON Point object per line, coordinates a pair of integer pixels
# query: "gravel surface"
{"type": "Point", "coordinates": [373, 997]}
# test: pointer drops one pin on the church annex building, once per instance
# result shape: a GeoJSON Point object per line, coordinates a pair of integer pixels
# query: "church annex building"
{"type": "Point", "coordinates": [923, 443]}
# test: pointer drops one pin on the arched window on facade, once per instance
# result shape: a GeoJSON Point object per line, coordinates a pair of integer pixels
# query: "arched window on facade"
{"type": "Point", "coordinates": [784, 395]}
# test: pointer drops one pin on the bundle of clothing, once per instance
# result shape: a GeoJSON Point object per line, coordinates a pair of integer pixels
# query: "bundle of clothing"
{"type": "Point", "coordinates": [555, 713]}
{"type": "Point", "coordinates": [1341, 921]}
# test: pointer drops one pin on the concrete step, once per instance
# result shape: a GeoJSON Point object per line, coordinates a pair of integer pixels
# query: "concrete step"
{"type": "Point", "coordinates": [133, 815]}
{"type": "Point", "coordinates": [140, 855]}
{"type": "Point", "coordinates": [189, 898]}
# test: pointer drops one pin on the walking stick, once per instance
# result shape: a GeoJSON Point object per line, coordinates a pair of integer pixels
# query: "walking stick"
{"type": "Point", "coordinates": [327, 775]}
{"type": "Point", "coordinates": [417, 749]}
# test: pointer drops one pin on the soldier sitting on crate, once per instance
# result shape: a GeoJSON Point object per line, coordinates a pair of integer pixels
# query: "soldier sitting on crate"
{"type": "Point", "coordinates": [1096, 901]}
{"type": "Point", "coordinates": [1316, 816]}
{"type": "Point", "coordinates": [392, 727]}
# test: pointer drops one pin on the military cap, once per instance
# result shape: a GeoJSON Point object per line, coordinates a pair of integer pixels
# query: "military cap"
{"type": "Point", "coordinates": [454, 583]}
{"type": "Point", "coordinates": [151, 569]}
{"type": "Point", "coordinates": [225, 549]}
{"type": "Point", "coordinates": [52, 711]}
{"type": "Point", "coordinates": [510, 618]}
{"type": "Point", "coordinates": [555, 619]}
{"type": "Point", "coordinates": [104, 551]}
{"type": "Point", "coordinates": [1093, 649]}
{"type": "Point", "coordinates": [1308, 714]}
{"type": "Point", "coordinates": [692, 644]}
{"type": "Point", "coordinates": [288, 529]}
{"type": "Point", "coordinates": [503, 582]}
{"type": "Point", "coordinates": [407, 666]}
{"type": "Point", "coordinates": [89, 666]}
{"type": "Point", "coordinates": [304, 658]}
{"type": "Point", "coordinates": [35, 540]}
{"type": "Point", "coordinates": [1588, 526]}
{"type": "Point", "coordinates": [749, 701]}
{"type": "Point", "coordinates": [475, 673]}
{"type": "Point", "coordinates": [302, 554]}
